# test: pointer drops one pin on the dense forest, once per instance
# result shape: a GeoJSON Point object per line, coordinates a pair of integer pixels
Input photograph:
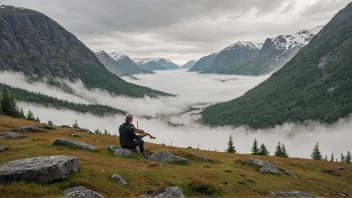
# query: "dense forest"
{"type": "Point", "coordinates": [315, 85]}
{"type": "Point", "coordinates": [48, 101]}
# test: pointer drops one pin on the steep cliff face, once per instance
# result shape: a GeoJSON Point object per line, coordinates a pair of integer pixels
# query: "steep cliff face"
{"type": "Point", "coordinates": [34, 44]}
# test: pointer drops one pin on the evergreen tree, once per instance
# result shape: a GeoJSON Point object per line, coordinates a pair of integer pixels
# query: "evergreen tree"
{"type": "Point", "coordinates": [342, 158]}
{"type": "Point", "coordinates": [326, 158]}
{"type": "Point", "coordinates": [278, 151]}
{"type": "Point", "coordinates": [231, 147]}
{"type": "Point", "coordinates": [37, 119]}
{"type": "Point", "coordinates": [30, 115]}
{"type": "Point", "coordinates": [255, 149]}
{"type": "Point", "coordinates": [97, 131]}
{"type": "Point", "coordinates": [50, 123]}
{"type": "Point", "coordinates": [105, 132]}
{"type": "Point", "coordinates": [22, 113]}
{"type": "Point", "coordinates": [316, 155]}
{"type": "Point", "coordinates": [75, 125]}
{"type": "Point", "coordinates": [332, 157]}
{"type": "Point", "coordinates": [8, 104]}
{"type": "Point", "coordinates": [263, 150]}
{"type": "Point", "coordinates": [348, 157]}
{"type": "Point", "coordinates": [283, 151]}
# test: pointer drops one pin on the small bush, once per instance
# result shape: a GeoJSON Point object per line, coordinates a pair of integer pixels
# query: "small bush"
{"type": "Point", "coordinates": [204, 187]}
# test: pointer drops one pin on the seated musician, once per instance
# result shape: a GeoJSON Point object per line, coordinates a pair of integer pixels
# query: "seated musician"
{"type": "Point", "coordinates": [128, 137]}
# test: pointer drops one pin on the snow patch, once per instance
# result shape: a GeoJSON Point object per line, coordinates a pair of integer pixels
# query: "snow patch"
{"type": "Point", "coordinates": [117, 56]}
{"type": "Point", "coordinates": [241, 44]}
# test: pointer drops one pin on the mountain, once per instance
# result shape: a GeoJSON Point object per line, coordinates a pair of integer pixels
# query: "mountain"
{"type": "Point", "coordinates": [165, 63]}
{"type": "Point", "coordinates": [152, 66]}
{"type": "Point", "coordinates": [109, 63]}
{"type": "Point", "coordinates": [316, 84]}
{"type": "Point", "coordinates": [36, 45]}
{"type": "Point", "coordinates": [204, 63]}
{"type": "Point", "coordinates": [127, 65]}
{"type": "Point", "coordinates": [233, 56]}
{"type": "Point", "coordinates": [189, 64]}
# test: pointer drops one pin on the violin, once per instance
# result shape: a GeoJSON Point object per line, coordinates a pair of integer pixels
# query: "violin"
{"type": "Point", "coordinates": [139, 131]}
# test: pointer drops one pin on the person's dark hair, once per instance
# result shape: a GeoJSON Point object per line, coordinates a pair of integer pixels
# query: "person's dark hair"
{"type": "Point", "coordinates": [128, 117]}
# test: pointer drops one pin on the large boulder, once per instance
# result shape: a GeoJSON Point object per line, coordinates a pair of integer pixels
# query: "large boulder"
{"type": "Point", "coordinates": [293, 194]}
{"type": "Point", "coordinates": [111, 148]}
{"type": "Point", "coordinates": [264, 166]}
{"type": "Point", "coordinates": [83, 130]}
{"type": "Point", "coordinates": [170, 192]}
{"type": "Point", "coordinates": [28, 128]}
{"type": "Point", "coordinates": [81, 192]}
{"type": "Point", "coordinates": [48, 127]}
{"type": "Point", "coordinates": [38, 169]}
{"type": "Point", "coordinates": [12, 135]}
{"type": "Point", "coordinates": [3, 148]}
{"type": "Point", "coordinates": [74, 144]}
{"type": "Point", "coordinates": [165, 156]}
{"type": "Point", "coordinates": [119, 179]}
{"type": "Point", "coordinates": [123, 152]}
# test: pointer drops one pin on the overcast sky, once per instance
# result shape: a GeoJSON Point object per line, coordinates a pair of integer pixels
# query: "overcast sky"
{"type": "Point", "coordinates": [180, 30]}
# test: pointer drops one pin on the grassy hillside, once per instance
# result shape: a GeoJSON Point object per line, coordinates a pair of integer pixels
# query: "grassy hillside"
{"type": "Point", "coordinates": [228, 174]}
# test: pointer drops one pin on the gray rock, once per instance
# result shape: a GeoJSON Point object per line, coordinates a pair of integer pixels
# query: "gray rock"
{"type": "Point", "coordinates": [200, 156]}
{"type": "Point", "coordinates": [119, 179]}
{"type": "Point", "coordinates": [81, 192]}
{"type": "Point", "coordinates": [344, 168]}
{"type": "Point", "coordinates": [293, 194]}
{"type": "Point", "coordinates": [123, 152]}
{"type": "Point", "coordinates": [28, 128]}
{"type": "Point", "coordinates": [286, 172]}
{"type": "Point", "coordinates": [65, 126]}
{"type": "Point", "coordinates": [170, 192]}
{"type": "Point", "coordinates": [70, 143]}
{"type": "Point", "coordinates": [12, 135]}
{"type": "Point", "coordinates": [84, 130]}
{"type": "Point", "coordinates": [74, 135]}
{"type": "Point", "coordinates": [264, 166]}
{"type": "Point", "coordinates": [111, 148]}
{"type": "Point", "coordinates": [3, 148]}
{"type": "Point", "coordinates": [165, 156]}
{"type": "Point", "coordinates": [47, 127]}
{"type": "Point", "coordinates": [38, 169]}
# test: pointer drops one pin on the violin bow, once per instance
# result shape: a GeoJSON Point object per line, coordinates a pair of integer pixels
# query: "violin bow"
{"type": "Point", "coordinates": [151, 137]}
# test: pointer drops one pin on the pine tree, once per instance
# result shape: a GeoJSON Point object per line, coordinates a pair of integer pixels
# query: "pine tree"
{"type": "Point", "coordinates": [231, 147]}
{"type": "Point", "coordinates": [8, 104]}
{"type": "Point", "coordinates": [278, 151]}
{"type": "Point", "coordinates": [263, 150]}
{"type": "Point", "coordinates": [37, 119]}
{"type": "Point", "coordinates": [326, 158]}
{"type": "Point", "coordinates": [105, 132]}
{"type": "Point", "coordinates": [255, 149]}
{"type": "Point", "coordinates": [50, 123]}
{"type": "Point", "coordinates": [283, 151]}
{"type": "Point", "coordinates": [342, 158]}
{"type": "Point", "coordinates": [316, 155]}
{"type": "Point", "coordinates": [332, 157]}
{"type": "Point", "coordinates": [348, 157]}
{"type": "Point", "coordinates": [75, 125]}
{"type": "Point", "coordinates": [97, 132]}
{"type": "Point", "coordinates": [22, 113]}
{"type": "Point", "coordinates": [30, 115]}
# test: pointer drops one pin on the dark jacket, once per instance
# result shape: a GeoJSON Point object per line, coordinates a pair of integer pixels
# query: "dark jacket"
{"type": "Point", "coordinates": [127, 134]}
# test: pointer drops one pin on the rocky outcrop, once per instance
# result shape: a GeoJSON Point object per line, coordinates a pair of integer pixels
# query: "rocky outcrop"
{"type": "Point", "coordinates": [29, 129]}
{"type": "Point", "coordinates": [286, 172]}
{"type": "Point", "coordinates": [74, 135]}
{"type": "Point", "coordinates": [74, 144]}
{"type": "Point", "coordinates": [38, 169]}
{"type": "Point", "coordinates": [170, 192]}
{"type": "Point", "coordinates": [3, 148]}
{"type": "Point", "coordinates": [165, 156]}
{"type": "Point", "coordinates": [123, 152]}
{"type": "Point", "coordinates": [344, 168]}
{"type": "Point", "coordinates": [111, 148]}
{"type": "Point", "coordinates": [119, 179]}
{"type": "Point", "coordinates": [47, 127]}
{"type": "Point", "coordinates": [264, 166]}
{"type": "Point", "coordinates": [81, 192]}
{"type": "Point", "coordinates": [12, 135]}
{"type": "Point", "coordinates": [293, 194]}
{"type": "Point", "coordinates": [199, 156]}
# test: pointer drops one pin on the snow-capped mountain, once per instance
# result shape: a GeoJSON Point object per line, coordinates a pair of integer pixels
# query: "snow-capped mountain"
{"type": "Point", "coordinates": [236, 54]}
{"type": "Point", "coordinates": [165, 63]}
{"type": "Point", "coordinates": [118, 64]}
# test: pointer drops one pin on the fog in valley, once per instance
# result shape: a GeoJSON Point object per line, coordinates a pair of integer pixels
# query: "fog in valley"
{"type": "Point", "coordinates": [172, 121]}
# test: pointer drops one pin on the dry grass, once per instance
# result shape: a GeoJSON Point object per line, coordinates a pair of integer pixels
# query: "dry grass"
{"type": "Point", "coordinates": [96, 169]}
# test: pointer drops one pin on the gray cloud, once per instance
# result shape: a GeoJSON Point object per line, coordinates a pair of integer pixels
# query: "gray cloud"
{"type": "Point", "coordinates": [180, 29]}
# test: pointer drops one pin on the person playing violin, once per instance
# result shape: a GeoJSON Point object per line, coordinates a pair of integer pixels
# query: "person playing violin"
{"type": "Point", "coordinates": [128, 137]}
